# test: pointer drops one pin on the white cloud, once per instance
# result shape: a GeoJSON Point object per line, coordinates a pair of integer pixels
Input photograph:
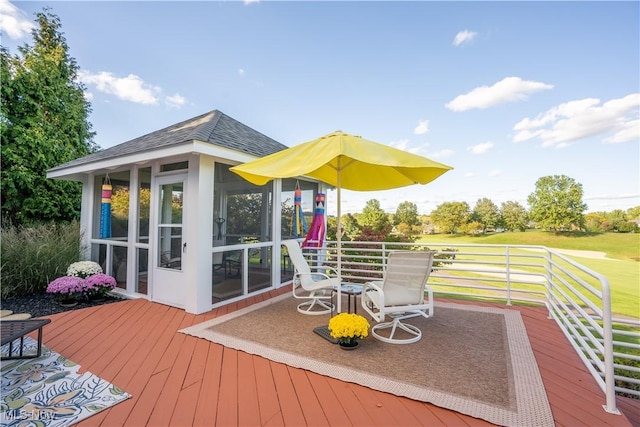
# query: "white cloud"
{"type": "Point", "coordinates": [630, 131]}
{"type": "Point", "coordinates": [251, 1]}
{"type": "Point", "coordinates": [13, 21]}
{"type": "Point", "coordinates": [469, 175]}
{"type": "Point", "coordinates": [241, 72]}
{"type": "Point", "coordinates": [403, 144]}
{"type": "Point", "coordinates": [400, 144]}
{"type": "Point", "coordinates": [556, 127]}
{"type": "Point", "coordinates": [442, 154]}
{"type": "Point", "coordinates": [495, 172]}
{"type": "Point", "coordinates": [131, 88]}
{"type": "Point", "coordinates": [176, 100]}
{"type": "Point", "coordinates": [480, 148]}
{"type": "Point", "coordinates": [422, 128]}
{"type": "Point", "coordinates": [464, 37]}
{"type": "Point", "coordinates": [509, 89]}
{"type": "Point", "coordinates": [622, 196]}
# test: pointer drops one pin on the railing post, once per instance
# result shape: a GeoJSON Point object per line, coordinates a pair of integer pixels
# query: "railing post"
{"type": "Point", "coordinates": [384, 256]}
{"type": "Point", "coordinates": [607, 332]}
{"type": "Point", "coordinates": [508, 276]}
{"type": "Point", "coordinates": [549, 283]}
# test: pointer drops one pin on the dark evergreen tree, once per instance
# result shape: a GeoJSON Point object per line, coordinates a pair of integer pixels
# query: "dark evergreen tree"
{"type": "Point", "coordinates": [44, 123]}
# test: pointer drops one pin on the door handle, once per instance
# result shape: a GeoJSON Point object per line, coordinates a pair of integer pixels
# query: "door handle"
{"type": "Point", "coordinates": [184, 247]}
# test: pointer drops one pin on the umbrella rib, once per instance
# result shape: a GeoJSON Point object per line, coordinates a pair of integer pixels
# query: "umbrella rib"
{"type": "Point", "coordinates": [340, 168]}
{"type": "Point", "coordinates": [407, 176]}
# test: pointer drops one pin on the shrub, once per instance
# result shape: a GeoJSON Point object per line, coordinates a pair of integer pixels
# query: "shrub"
{"type": "Point", "coordinates": [84, 269]}
{"type": "Point", "coordinates": [67, 288]}
{"type": "Point", "coordinates": [348, 327]}
{"type": "Point", "coordinates": [627, 227]}
{"type": "Point", "coordinates": [99, 285]}
{"type": "Point", "coordinates": [31, 257]}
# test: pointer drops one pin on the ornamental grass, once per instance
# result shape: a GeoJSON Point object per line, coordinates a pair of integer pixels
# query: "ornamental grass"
{"type": "Point", "coordinates": [30, 257]}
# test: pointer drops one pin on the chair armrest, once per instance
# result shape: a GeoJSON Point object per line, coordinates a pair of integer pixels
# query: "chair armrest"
{"type": "Point", "coordinates": [324, 275]}
{"type": "Point", "coordinates": [324, 267]}
{"type": "Point", "coordinates": [372, 300]}
{"type": "Point", "coordinates": [319, 274]}
{"type": "Point", "coordinates": [368, 286]}
{"type": "Point", "coordinates": [318, 281]}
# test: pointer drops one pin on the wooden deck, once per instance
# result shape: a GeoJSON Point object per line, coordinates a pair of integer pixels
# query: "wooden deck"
{"type": "Point", "coordinates": [180, 380]}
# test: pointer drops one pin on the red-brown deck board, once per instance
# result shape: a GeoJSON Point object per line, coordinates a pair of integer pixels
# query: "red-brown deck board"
{"type": "Point", "coordinates": [180, 380]}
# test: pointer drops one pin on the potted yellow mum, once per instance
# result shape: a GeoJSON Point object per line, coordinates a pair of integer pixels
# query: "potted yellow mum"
{"type": "Point", "coordinates": [348, 328]}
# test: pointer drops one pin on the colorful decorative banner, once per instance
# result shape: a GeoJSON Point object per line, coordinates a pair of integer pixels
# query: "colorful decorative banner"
{"type": "Point", "coordinates": [315, 237]}
{"type": "Point", "coordinates": [298, 223]}
{"type": "Point", "coordinates": [105, 211]}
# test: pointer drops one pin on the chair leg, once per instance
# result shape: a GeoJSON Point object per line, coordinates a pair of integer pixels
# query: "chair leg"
{"type": "Point", "coordinates": [308, 307]}
{"type": "Point", "coordinates": [415, 333]}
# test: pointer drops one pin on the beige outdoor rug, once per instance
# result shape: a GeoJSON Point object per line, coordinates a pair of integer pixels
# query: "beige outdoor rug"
{"type": "Point", "coordinates": [474, 360]}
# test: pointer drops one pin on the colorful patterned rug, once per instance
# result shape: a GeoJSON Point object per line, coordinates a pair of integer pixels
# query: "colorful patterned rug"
{"type": "Point", "coordinates": [49, 391]}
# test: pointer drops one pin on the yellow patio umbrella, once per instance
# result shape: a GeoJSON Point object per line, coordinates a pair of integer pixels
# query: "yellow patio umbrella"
{"type": "Point", "coordinates": [346, 162]}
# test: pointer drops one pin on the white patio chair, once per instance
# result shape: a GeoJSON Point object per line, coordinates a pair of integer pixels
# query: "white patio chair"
{"type": "Point", "coordinates": [400, 296]}
{"type": "Point", "coordinates": [317, 286]}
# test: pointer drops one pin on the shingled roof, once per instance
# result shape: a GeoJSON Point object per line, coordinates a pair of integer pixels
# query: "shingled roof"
{"type": "Point", "coordinates": [213, 127]}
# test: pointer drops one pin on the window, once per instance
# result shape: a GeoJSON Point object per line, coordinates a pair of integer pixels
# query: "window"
{"type": "Point", "coordinates": [242, 211]}
{"type": "Point", "coordinates": [144, 209]}
{"type": "Point", "coordinates": [111, 220]}
{"type": "Point", "coordinates": [174, 166]}
{"type": "Point", "coordinates": [308, 191]}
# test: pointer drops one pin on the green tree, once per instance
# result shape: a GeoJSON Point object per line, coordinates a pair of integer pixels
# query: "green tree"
{"type": "Point", "coordinates": [514, 216]}
{"type": "Point", "coordinates": [471, 227]}
{"type": "Point", "coordinates": [556, 204]}
{"type": "Point", "coordinates": [450, 216]}
{"type": "Point", "coordinates": [406, 213]}
{"type": "Point", "coordinates": [633, 213]}
{"type": "Point", "coordinates": [374, 217]}
{"type": "Point", "coordinates": [617, 217]}
{"type": "Point", "coordinates": [486, 213]}
{"type": "Point", "coordinates": [332, 225]}
{"type": "Point", "coordinates": [43, 124]}
{"type": "Point", "coordinates": [244, 212]}
{"type": "Point", "coordinates": [627, 227]}
{"type": "Point", "coordinates": [404, 229]}
{"type": "Point", "coordinates": [350, 225]}
{"type": "Point", "coordinates": [593, 221]}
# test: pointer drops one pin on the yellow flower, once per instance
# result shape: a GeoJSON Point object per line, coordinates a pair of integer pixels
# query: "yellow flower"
{"type": "Point", "coordinates": [348, 327]}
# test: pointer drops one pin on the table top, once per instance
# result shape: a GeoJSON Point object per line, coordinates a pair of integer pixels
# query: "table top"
{"type": "Point", "coordinates": [351, 288]}
{"type": "Point", "coordinates": [13, 329]}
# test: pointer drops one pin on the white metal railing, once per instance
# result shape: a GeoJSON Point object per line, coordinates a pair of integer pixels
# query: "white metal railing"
{"type": "Point", "coordinates": [577, 298]}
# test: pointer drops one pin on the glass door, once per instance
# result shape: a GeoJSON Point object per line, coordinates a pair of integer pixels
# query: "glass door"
{"type": "Point", "coordinates": [170, 246]}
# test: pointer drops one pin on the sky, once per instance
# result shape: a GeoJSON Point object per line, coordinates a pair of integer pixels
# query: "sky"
{"type": "Point", "coordinates": [504, 92]}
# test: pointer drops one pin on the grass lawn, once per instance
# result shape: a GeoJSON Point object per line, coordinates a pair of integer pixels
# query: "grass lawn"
{"type": "Point", "coordinates": [623, 271]}
{"type": "Point", "coordinates": [623, 246]}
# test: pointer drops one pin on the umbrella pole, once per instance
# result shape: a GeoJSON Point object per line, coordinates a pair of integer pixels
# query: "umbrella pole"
{"type": "Point", "coordinates": [339, 242]}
